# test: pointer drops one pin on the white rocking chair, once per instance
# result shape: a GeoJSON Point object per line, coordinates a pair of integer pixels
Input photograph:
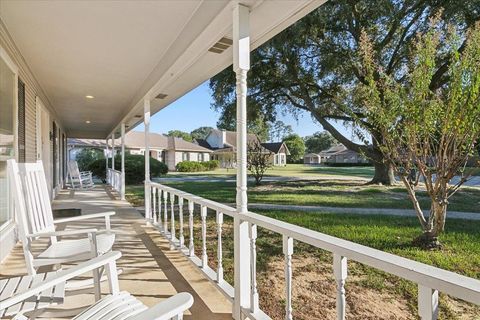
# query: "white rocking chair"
{"type": "Point", "coordinates": [35, 220]}
{"type": "Point", "coordinates": [117, 305]}
{"type": "Point", "coordinates": [79, 179]}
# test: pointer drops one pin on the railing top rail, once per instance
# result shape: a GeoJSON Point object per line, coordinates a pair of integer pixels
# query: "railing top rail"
{"type": "Point", "coordinates": [114, 170]}
{"type": "Point", "coordinates": [230, 211]}
{"type": "Point", "coordinates": [445, 281]}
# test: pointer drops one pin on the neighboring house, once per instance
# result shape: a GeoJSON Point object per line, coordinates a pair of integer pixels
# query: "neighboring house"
{"type": "Point", "coordinates": [335, 154]}
{"type": "Point", "coordinates": [279, 152]}
{"type": "Point", "coordinates": [312, 158]}
{"type": "Point", "coordinates": [223, 144]}
{"type": "Point", "coordinates": [169, 150]}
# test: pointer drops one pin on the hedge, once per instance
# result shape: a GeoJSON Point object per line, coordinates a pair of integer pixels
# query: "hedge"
{"type": "Point", "coordinates": [134, 168]}
{"type": "Point", "coordinates": [194, 166]}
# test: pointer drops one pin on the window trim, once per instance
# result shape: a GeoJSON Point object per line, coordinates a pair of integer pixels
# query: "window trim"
{"type": "Point", "coordinates": [14, 68]}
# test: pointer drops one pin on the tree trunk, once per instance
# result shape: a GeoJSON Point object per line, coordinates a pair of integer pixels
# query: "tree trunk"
{"type": "Point", "coordinates": [435, 226]}
{"type": "Point", "coordinates": [383, 174]}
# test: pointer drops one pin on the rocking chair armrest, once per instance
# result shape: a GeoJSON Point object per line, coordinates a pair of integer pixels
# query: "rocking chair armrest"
{"type": "Point", "coordinates": [167, 309]}
{"type": "Point", "coordinates": [62, 276]}
{"type": "Point", "coordinates": [61, 233]}
{"type": "Point", "coordinates": [85, 217]}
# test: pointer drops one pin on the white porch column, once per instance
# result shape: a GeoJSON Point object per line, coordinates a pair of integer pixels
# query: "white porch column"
{"type": "Point", "coordinates": [113, 151]}
{"type": "Point", "coordinates": [146, 122]}
{"type": "Point", "coordinates": [241, 65]}
{"type": "Point", "coordinates": [106, 160]}
{"type": "Point", "coordinates": [122, 191]}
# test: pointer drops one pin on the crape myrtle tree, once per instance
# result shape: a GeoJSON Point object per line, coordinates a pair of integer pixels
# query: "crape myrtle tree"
{"type": "Point", "coordinates": [258, 160]}
{"type": "Point", "coordinates": [427, 135]}
{"type": "Point", "coordinates": [312, 65]}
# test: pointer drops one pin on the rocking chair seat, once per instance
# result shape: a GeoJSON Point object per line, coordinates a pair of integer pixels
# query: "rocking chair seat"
{"type": "Point", "coordinates": [11, 286]}
{"type": "Point", "coordinates": [65, 250]}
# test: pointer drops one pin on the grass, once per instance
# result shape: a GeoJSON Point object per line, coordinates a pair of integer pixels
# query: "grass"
{"type": "Point", "coordinates": [461, 254]}
{"type": "Point", "coordinates": [292, 170]}
{"type": "Point", "coordinates": [330, 193]}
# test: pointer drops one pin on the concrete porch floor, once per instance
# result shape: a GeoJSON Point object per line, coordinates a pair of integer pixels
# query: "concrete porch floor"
{"type": "Point", "coordinates": [151, 272]}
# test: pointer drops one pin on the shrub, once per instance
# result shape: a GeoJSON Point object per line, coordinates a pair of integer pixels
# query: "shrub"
{"type": "Point", "coordinates": [88, 155]}
{"type": "Point", "coordinates": [212, 164]}
{"type": "Point", "coordinates": [194, 166]}
{"type": "Point", "coordinates": [134, 168]}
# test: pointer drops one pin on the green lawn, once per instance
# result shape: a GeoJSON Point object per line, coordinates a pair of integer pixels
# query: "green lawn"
{"type": "Point", "coordinates": [301, 170]}
{"type": "Point", "coordinates": [291, 170]}
{"type": "Point", "coordinates": [332, 193]}
{"type": "Point", "coordinates": [460, 252]}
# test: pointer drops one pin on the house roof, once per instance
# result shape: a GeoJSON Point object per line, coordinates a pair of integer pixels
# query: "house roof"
{"type": "Point", "coordinates": [275, 147]}
{"type": "Point", "coordinates": [231, 137]}
{"type": "Point", "coordinates": [136, 140]}
{"type": "Point", "coordinates": [332, 150]}
{"type": "Point", "coordinates": [312, 155]}
{"type": "Point", "coordinates": [203, 143]}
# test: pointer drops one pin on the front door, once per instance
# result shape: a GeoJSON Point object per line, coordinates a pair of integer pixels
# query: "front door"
{"type": "Point", "coordinates": [43, 141]}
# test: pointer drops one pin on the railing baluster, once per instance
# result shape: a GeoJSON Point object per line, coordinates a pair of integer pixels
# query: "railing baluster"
{"type": "Point", "coordinates": [180, 217]}
{"type": "Point", "coordinates": [191, 248]}
{"type": "Point", "coordinates": [165, 213]}
{"type": "Point", "coordinates": [427, 303]}
{"type": "Point", "coordinates": [154, 205]}
{"type": "Point", "coordinates": [288, 251]}
{"type": "Point", "coordinates": [253, 260]}
{"type": "Point", "coordinates": [203, 213]}
{"type": "Point", "coordinates": [172, 217]}
{"type": "Point", "coordinates": [219, 247]}
{"type": "Point", "coordinates": [340, 273]}
{"type": "Point", "coordinates": [159, 219]}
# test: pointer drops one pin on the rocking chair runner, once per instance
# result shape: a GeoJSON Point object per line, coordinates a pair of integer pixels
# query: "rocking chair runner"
{"type": "Point", "coordinates": [79, 179]}
{"type": "Point", "coordinates": [35, 220]}
{"type": "Point", "coordinates": [117, 305]}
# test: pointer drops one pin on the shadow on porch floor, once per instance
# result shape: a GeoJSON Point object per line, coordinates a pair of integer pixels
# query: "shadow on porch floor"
{"type": "Point", "coordinates": [151, 272]}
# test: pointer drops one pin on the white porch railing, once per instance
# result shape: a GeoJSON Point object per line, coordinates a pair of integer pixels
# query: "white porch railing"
{"type": "Point", "coordinates": [114, 179]}
{"type": "Point", "coordinates": [167, 206]}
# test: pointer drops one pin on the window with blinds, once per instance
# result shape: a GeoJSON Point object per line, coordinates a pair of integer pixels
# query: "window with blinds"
{"type": "Point", "coordinates": [21, 121]}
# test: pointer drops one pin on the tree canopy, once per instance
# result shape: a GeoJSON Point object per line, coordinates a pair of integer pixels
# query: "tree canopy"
{"type": "Point", "coordinates": [201, 132]}
{"type": "Point", "coordinates": [180, 134]}
{"type": "Point", "coordinates": [319, 141]}
{"type": "Point", "coordinates": [313, 65]}
{"type": "Point", "coordinates": [296, 146]}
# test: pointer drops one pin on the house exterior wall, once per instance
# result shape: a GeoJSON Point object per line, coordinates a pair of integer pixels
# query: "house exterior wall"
{"type": "Point", "coordinates": [11, 55]}
{"type": "Point", "coordinates": [311, 159]}
{"type": "Point", "coordinates": [227, 160]}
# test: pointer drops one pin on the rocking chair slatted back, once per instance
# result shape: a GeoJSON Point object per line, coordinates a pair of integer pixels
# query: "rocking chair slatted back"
{"type": "Point", "coordinates": [37, 198]}
{"type": "Point", "coordinates": [31, 198]}
{"type": "Point", "coordinates": [73, 169]}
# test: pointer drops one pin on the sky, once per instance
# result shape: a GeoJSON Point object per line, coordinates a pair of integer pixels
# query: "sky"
{"type": "Point", "coordinates": [194, 110]}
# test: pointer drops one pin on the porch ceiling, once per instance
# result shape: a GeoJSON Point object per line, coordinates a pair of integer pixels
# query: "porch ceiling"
{"type": "Point", "coordinates": [120, 51]}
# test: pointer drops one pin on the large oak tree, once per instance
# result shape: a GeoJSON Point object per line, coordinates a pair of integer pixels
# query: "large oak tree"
{"type": "Point", "coordinates": [312, 65]}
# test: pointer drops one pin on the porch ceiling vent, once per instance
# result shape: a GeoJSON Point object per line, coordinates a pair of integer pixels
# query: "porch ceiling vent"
{"type": "Point", "coordinates": [222, 45]}
{"type": "Point", "coordinates": [161, 96]}
{"type": "Point", "coordinates": [138, 116]}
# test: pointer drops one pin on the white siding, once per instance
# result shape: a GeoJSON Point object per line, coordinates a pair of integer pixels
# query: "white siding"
{"type": "Point", "coordinates": [32, 90]}
{"type": "Point", "coordinates": [193, 156]}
